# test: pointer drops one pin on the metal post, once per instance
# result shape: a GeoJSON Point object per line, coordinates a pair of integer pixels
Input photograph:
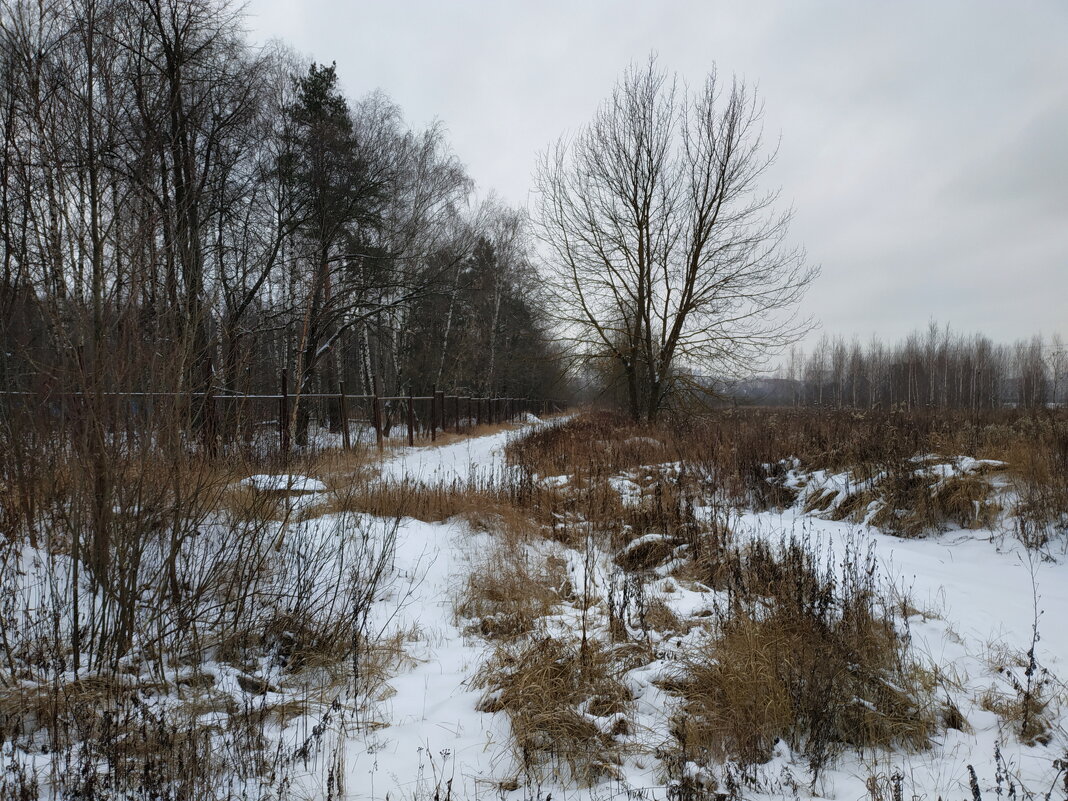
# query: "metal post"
{"type": "Point", "coordinates": [344, 406]}
{"type": "Point", "coordinates": [283, 417]}
{"type": "Point", "coordinates": [433, 412]}
{"type": "Point", "coordinates": [411, 418]}
{"type": "Point", "coordinates": [376, 413]}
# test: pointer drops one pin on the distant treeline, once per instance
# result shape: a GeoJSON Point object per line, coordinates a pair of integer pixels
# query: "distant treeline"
{"type": "Point", "coordinates": [932, 369]}
{"type": "Point", "coordinates": [182, 211]}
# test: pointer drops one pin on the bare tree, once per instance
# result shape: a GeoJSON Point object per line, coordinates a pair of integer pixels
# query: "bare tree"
{"type": "Point", "coordinates": [667, 257]}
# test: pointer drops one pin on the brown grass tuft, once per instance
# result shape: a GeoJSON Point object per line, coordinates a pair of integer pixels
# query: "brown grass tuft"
{"type": "Point", "coordinates": [510, 589]}
{"type": "Point", "coordinates": [801, 654]}
{"type": "Point", "coordinates": [564, 701]}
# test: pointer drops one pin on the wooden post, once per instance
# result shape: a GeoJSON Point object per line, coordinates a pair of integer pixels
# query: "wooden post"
{"type": "Point", "coordinates": [467, 415]}
{"type": "Point", "coordinates": [433, 412]}
{"type": "Point", "coordinates": [456, 413]}
{"type": "Point", "coordinates": [411, 418]}
{"type": "Point", "coordinates": [376, 413]}
{"type": "Point", "coordinates": [344, 406]}
{"type": "Point", "coordinates": [478, 411]}
{"type": "Point", "coordinates": [283, 417]}
{"type": "Point", "coordinates": [441, 409]}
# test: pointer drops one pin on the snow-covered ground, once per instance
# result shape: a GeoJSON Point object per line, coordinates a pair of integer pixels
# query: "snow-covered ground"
{"type": "Point", "coordinates": [977, 593]}
{"type": "Point", "coordinates": [432, 732]}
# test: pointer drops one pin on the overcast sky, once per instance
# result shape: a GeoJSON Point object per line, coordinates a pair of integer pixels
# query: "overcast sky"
{"type": "Point", "coordinates": [923, 145]}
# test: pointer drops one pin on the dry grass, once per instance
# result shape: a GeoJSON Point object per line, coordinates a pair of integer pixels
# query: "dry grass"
{"type": "Point", "coordinates": [739, 456]}
{"type": "Point", "coordinates": [802, 654]}
{"type": "Point", "coordinates": [912, 501]}
{"type": "Point", "coordinates": [566, 703]}
{"type": "Point", "coordinates": [510, 588]}
{"type": "Point", "coordinates": [967, 501]}
{"type": "Point", "coordinates": [1023, 699]}
{"type": "Point", "coordinates": [485, 506]}
{"type": "Point", "coordinates": [658, 616]}
{"type": "Point", "coordinates": [125, 738]}
{"type": "Point", "coordinates": [598, 442]}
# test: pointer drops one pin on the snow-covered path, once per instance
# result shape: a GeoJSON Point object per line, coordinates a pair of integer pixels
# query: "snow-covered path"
{"type": "Point", "coordinates": [433, 732]}
{"type": "Point", "coordinates": [456, 461]}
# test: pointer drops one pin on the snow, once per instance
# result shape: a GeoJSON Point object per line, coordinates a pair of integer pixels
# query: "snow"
{"type": "Point", "coordinates": [977, 592]}
{"type": "Point", "coordinates": [459, 462]}
{"type": "Point", "coordinates": [283, 483]}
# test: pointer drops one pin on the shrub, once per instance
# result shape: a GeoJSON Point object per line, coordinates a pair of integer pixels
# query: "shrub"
{"type": "Point", "coordinates": [510, 589]}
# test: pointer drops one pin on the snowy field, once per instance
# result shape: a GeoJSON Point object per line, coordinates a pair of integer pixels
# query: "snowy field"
{"type": "Point", "coordinates": [977, 596]}
{"type": "Point", "coordinates": [973, 602]}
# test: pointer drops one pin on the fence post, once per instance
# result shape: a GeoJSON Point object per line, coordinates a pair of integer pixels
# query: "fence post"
{"type": "Point", "coordinates": [411, 418]}
{"type": "Point", "coordinates": [441, 410]}
{"type": "Point", "coordinates": [283, 417]}
{"type": "Point", "coordinates": [433, 412]}
{"type": "Point", "coordinates": [344, 406]}
{"type": "Point", "coordinates": [376, 413]}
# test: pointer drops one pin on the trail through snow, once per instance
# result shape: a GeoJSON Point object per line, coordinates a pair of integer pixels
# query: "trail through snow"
{"type": "Point", "coordinates": [433, 733]}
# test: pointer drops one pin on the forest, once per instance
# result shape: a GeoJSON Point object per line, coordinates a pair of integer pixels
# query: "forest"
{"type": "Point", "coordinates": [187, 214]}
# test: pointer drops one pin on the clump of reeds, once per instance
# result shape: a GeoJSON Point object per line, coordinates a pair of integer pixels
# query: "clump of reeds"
{"type": "Point", "coordinates": [510, 588]}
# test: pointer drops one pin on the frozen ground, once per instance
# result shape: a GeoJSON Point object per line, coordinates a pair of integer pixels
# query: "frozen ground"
{"type": "Point", "coordinates": [977, 594]}
{"type": "Point", "coordinates": [976, 597]}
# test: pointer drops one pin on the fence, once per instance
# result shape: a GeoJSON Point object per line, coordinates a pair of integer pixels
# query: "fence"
{"type": "Point", "coordinates": [264, 422]}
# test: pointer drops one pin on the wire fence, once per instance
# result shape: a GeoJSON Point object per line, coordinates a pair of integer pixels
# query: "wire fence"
{"type": "Point", "coordinates": [279, 423]}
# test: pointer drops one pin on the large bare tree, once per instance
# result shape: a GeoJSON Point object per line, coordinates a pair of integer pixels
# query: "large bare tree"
{"type": "Point", "coordinates": [666, 255]}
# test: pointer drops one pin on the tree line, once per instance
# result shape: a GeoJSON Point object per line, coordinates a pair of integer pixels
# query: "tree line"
{"type": "Point", "coordinates": [936, 368]}
{"type": "Point", "coordinates": [184, 212]}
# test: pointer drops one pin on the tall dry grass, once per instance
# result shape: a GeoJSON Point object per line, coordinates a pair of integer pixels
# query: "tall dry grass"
{"type": "Point", "coordinates": [161, 621]}
{"type": "Point", "coordinates": [740, 457]}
